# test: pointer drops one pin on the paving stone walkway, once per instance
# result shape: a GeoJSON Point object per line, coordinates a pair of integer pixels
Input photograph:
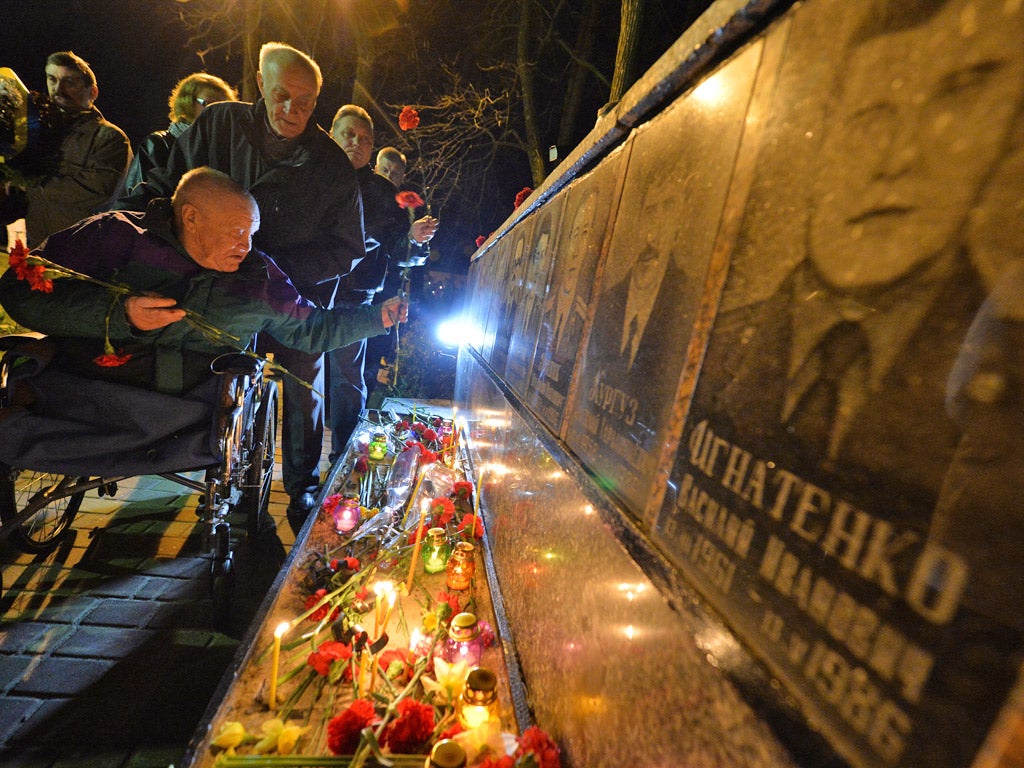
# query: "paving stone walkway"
{"type": "Point", "coordinates": [108, 658]}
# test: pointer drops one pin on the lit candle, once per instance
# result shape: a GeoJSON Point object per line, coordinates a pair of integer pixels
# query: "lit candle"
{"type": "Point", "coordinates": [378, 591]}
{"type": "Point", "coordinates": [378, 447]}
{"type": "Point", "coordinates": [461, 566]}
{"type": "Point", "coordinates": [415, 639]}
{"type": "Point", "coordinates": [392, 596]}
{"type": "Point", "coordinates": [436, 551]}
{"type": "Point", "coordinates": [275, 660]}
{"type": "Point", "coordinates": [416, 546]}
{"type": "Point", "coordinates": [346, 514]}
{"type": "Point", "coordinates": [464, 643]}
{"type": "Point", "coordinates": [479, 700]}
{"type": "Point", "coordinates": [364, 664]}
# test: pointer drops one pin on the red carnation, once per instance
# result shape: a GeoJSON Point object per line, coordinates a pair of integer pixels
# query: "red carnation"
{"type": "Point", "coordinates": [462, 489]}
{"type": "Point", "coordinates": [522, 195]}
{"type": "Point", "coordinates": [329, 652]}
{"type": "Point", "coordinates": [320, 612]}
{"type": "Point", "coordinates": [505, 761]}
{"type": "Point", "coordinates": [429, 434]}
{"type": "Point", "coordinates": [451, 732]}
{"type": "Point", "coordinates": [480, 240]}
{"type": "Point", "coordinates": [110, 360]}
{"type": "Point", "coordinates": [35, 276]}
{"type": "Point", "coordinates": [408, 118]}
{"type": "Point", "coordinates": [396, 664]}
{"type": "Point", "coordinates": [361, 466]}
{"type": "Point", "coordinates": [443, 511]}
{"type": "Point", "coordinates": [345, 730]}
{"type": "Point", "coordinates": [467, 522]}
{"type": "Point", "coordinates": [536, 742]}
{"type": "Point", "coordinates": [414, 725]}
{"type": "Point", "coordinates": [451, 600]}
{"type": "Point", "coordinates": [409, 199]}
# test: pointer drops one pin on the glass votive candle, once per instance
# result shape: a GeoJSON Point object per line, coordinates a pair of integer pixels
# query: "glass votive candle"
{"type": "Point", "coordinates": [436, 550]}
{"type": "Point", "coordinates": [464, 642]}
{"type": "Point", "coordinates": [479, 700]}
{"type": "Point", "coordinates": [378, 447]}
{"type": "Point", "coordinates": [461, 566]}
{"type": "Point", "coordinates": [446, 753]}
{"type": "Point", "coordinates": [346, 514]}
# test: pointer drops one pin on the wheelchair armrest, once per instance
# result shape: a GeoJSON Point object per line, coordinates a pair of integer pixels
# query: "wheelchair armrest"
{"type": "Point", "coordinates": [237, 364]}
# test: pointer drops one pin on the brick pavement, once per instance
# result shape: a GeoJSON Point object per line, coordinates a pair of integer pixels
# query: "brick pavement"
{"type": "Point", "coordinates": [107, 655]}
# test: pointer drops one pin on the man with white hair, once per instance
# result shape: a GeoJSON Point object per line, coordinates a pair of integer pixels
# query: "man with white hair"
{"type": "Point", "coordinates": [312, 222]}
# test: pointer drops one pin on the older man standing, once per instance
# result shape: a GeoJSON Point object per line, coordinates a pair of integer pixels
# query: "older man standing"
{"type": "Point", "coordinates": [82, 174]}
{"type": "Point", "coordinates": [312, 223]}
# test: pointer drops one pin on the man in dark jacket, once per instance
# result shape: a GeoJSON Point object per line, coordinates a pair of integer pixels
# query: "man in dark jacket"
{"type": "Point", "coordinates": [189, 288]}
{"type": "Point", "coordinates": [83, 172]}
{"type": "Point", "coordinates": [389, 238]}
{"type": "Point", "coordinates": [312, 223]}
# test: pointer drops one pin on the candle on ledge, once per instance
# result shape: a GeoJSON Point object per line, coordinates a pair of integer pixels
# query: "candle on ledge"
{"type": "Point", "coordinates": [461, 566]}
{"type": "Point", "coordinates": [387, 590]}
{"type": "Point", "coordinates": [379, 589]}
{"type": "Point", "coordinates": [378, 447]}
{"type": "Point", "coordinates": [424, 506]}
{"type": "Point", "coordinates": [436, 550]}
{"type": "Point", "coordinates": [275, 660]}
{"type": "Point", "coordinates": [346, 514]}
{"type": "Point", "coordinates": [464, 643]}
{"type": "Point", "coordinates": [479, 700]}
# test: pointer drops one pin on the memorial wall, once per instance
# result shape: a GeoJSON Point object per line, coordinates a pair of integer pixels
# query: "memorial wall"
{"type": "Point", "coordinates": [767, 323]}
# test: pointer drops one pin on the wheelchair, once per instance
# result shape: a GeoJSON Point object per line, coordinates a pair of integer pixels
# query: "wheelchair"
{"type": "Point", "coordinates": [38, 507]}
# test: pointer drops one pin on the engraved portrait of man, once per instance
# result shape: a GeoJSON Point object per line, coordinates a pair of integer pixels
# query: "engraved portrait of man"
{"type": "Point", "coordinates": [884, 296]}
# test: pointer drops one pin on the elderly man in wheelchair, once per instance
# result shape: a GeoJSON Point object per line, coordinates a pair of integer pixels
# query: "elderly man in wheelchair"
{"type": "Point", "coordinates": [141, 362]}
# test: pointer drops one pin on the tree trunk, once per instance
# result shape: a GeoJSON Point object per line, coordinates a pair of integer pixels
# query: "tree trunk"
{"type": "Point", "coordinates": [630, 22]}
{"type": "Point", "coordinates": [577, 82]}
{"type": "Point", "coordinates": [251, 11]}
{"type": "Point", "coordinates": [524, 68]}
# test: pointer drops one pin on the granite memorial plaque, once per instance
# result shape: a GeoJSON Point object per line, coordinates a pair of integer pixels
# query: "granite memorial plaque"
{"type": "Point", "coordinates": [589, 206]}
{"type": "Point", "coordinates": [847, 490]}
{"type": "Point", "coordinates": [676, 180]}
{"type": "Point", "coordinates": [531, 294]}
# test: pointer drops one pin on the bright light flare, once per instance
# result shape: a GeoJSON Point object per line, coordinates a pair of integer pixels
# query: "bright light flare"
{"type": "Point", "coordinates": [456, 331]}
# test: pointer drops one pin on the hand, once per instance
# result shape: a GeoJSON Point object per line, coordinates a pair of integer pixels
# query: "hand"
{"type": "Point", "coordinates": [423, 229]}
{"type": "Point", "coordinates": [150, 313]}
{"type": "Point", "coordinates": [393, 311]}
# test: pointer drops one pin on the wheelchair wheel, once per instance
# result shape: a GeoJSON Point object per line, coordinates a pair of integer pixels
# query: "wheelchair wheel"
{"type": "Point", "coordinates": [41, 532]}
{"type": "Point", "coordinates": [255, 501]}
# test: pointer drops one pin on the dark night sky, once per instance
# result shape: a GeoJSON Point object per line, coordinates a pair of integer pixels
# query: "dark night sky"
{"type": "Point", "coordinates": [137, 48]}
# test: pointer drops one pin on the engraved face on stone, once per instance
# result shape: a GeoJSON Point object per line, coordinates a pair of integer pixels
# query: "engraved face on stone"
{"type": "Point", "coordinates": [904, 156]}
